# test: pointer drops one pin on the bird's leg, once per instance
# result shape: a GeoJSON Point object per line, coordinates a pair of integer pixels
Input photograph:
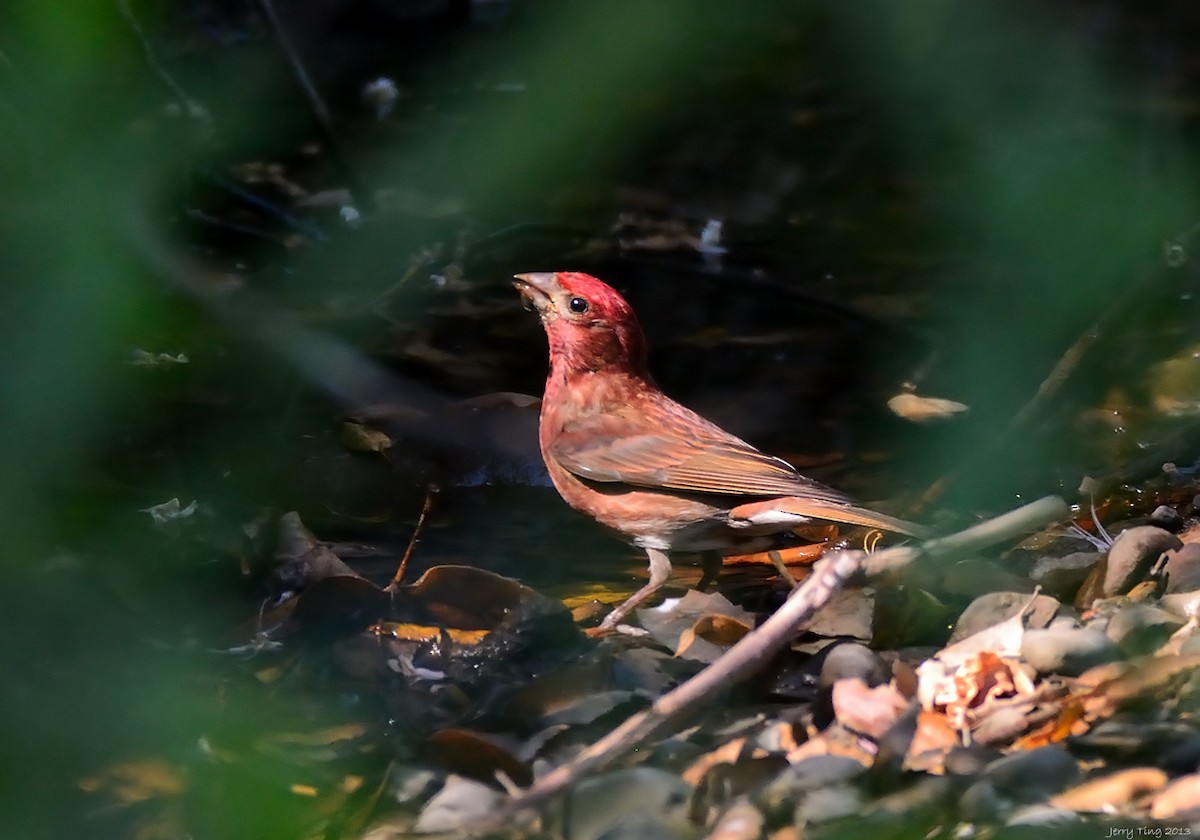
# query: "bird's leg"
{"type": "Point", "coordinates": [660, 570]}
{"type": "Point", "coordinates": [710, 567]}
{"type": "Point", "coordinates": [781, 567]}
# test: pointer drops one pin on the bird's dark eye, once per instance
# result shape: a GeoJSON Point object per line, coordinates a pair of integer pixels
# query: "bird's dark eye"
{"type": "Point", "coordinates": [578, 305]}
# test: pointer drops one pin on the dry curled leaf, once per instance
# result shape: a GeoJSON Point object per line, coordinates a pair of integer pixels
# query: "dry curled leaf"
{"type": "Point", "coordinates": [360, 438]}
{"type": "Point", "coordinates": [720, 630]}
{"type": "Point", "coordinates": [475, 756]}
{"type": "Point", "coordinates": [924, 409]}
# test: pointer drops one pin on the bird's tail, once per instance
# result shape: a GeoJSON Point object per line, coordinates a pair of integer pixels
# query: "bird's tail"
{"type": "Point", "coordinates": [797, 509]}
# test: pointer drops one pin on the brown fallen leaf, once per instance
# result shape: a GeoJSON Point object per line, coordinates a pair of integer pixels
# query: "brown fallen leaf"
{"type": "Point", "coordinates": [1069, 721]}
{"type": "Point", "coordinates": [833, 740]}
{"type": "Point", "coordinates": [136, 780]}
{"type": "Point", "coordinates": [933, 739]}
{"type": "Point", "coordinates": [475, 756]}
{"type": "Point", "coordinates": [361, 438]}
{"type": "Point", "coordinates": [727, 753]}
{"type": "Point", "coordinates": [871, 711]}
{"type": "Point", "coordinates": [426, 633]}
{"type": "Point", "coordinates": [720, 630]}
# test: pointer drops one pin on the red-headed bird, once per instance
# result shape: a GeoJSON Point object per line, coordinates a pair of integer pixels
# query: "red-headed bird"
{"type": "Point", "coordinates": [629, 456]}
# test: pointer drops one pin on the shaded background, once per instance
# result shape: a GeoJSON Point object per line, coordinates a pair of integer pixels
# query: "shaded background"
{"type": "Point", "coordinates": [944, 194]}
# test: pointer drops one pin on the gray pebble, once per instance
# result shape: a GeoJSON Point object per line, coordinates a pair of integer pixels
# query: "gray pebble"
{"type": "Point", "coordinates": [1067, 650]}
{"type": "Point", "coordinates": [1132, 554]}
{"type": "Point", "coordinates": [1167, 518]}
{"type": "Point", "coordinates": [634, 803]}
{"type": "Point", "coordinates": [1034, 775]}
{"type": "Point", "coordinates": [1170, 746]}
{"type": "Point", "coordinates": [822, 770]}
{"type": "Point", "coordinates": [1182, 604]}
{"type": "Point", "coordinates": [1141, 628]}
{"type": "Point", "coordinates": [1002, 725]}
{"type": "Point", "coordinates": [970, 761]}
{"type": "Point", "coordinates": [829, 803]}
{"type": "Point", "coordinates": [806, 776]}
{"type": "Point", "coordinates": [851, 659]}
{"type": "Point", "coordinates": [1062, 576]}
{"type": "Point", "coordinates": [980, 802]}
{"type": "Point", "coordinates": [1183, 568]}
{"type": "Point", "coordinates": [1044, 816]}
{"type": "Point", "coordinates": [993, 608]}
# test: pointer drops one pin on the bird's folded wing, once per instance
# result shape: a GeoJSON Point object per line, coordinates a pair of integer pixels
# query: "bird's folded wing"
{"type": "Point", "coordinates": [677, 450]}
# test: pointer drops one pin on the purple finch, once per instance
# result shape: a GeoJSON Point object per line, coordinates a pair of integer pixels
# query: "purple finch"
{"type": "Point", "coordinates": [630, 457]}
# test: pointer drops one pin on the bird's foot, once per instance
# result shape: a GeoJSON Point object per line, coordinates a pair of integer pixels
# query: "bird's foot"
{"type": "Point", "coordinates": [781, 567]}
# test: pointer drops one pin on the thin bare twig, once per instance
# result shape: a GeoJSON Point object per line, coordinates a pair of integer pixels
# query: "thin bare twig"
{"type": "Point", "coordinates": [412, 543]}
{"type": "Point", "coordinates": [758, 646]}
{"type": "Point", "coordinates": [189, 106]}
{"type": "Point", "coordinates": [320, 110]}
{"type": "Point", "coordinates": [1023, 520]}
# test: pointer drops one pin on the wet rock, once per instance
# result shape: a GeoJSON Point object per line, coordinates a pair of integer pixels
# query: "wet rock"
{"type": "Point", "coordinates": [970, 761]}
{"type": "Point", "coordinates": [1001, 726]}
{"type": "Point", "coordinates": [1167, 518]}
{"type": "Point", "coordinates": [913, 805]}
{"type": "Point", "coordinates": [1132, 554]}
{"type": "Point", "coordinates": [981, 803]}
{"type": "Point", "coordinates": [1182, 604]}
{"type": "Point", "coordinates": [1183, 568]}
{"type": "Point", "coordinates": [635, 803]}
{"type": "Point", "coordinates": [1043, 816]}
{"type": "Point", "coordinates": [412, 784]}
{"type": "Point", "coordinates": [995, 607]}
{"type": "Point", "coordinates": [805, 777]}
{"type": "Point", "coordinates": [1180, 798]}
{"type": "Point", "coordinates": [1140, 628]}
{"type": "Point", "coordinates": [1174, 747]}
{"type": "Point", "coordinates": [1112, 792]}
{"type": "Point", "coordinates": [1033, 776]}
{"type": "Point", "coordinates": [802, 779]}
{"type": "Point", "coordinates": [815, 772]}
{"type": "Point", "coordinates": [972, 577]}
{"type": "Point", "coordinates": [829, 803]}
{"type": "Point", "coordinates": [741, 821]}
{"type": "Point", "coordinates": [459, 802]}
{"type": "Point", "coordinates": [906, 613]}
{"type": "Point", "coordinates": [1062, 576]}
{"type": "Point", "coordinates": [1067, 650]}
{"type": "Point", "coordinates": [849, 660]}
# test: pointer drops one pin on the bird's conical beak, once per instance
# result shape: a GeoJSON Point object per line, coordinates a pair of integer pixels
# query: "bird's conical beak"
{"type": "Point", "coordinates": [536, 288]}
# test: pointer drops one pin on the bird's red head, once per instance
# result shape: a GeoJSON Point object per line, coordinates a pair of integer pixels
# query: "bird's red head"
{"type": "Point", "coordinates": [589, 325]}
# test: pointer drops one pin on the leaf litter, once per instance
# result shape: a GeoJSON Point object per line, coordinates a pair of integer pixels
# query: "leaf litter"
{"type": "Point", "coordinates": [481, 686]}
